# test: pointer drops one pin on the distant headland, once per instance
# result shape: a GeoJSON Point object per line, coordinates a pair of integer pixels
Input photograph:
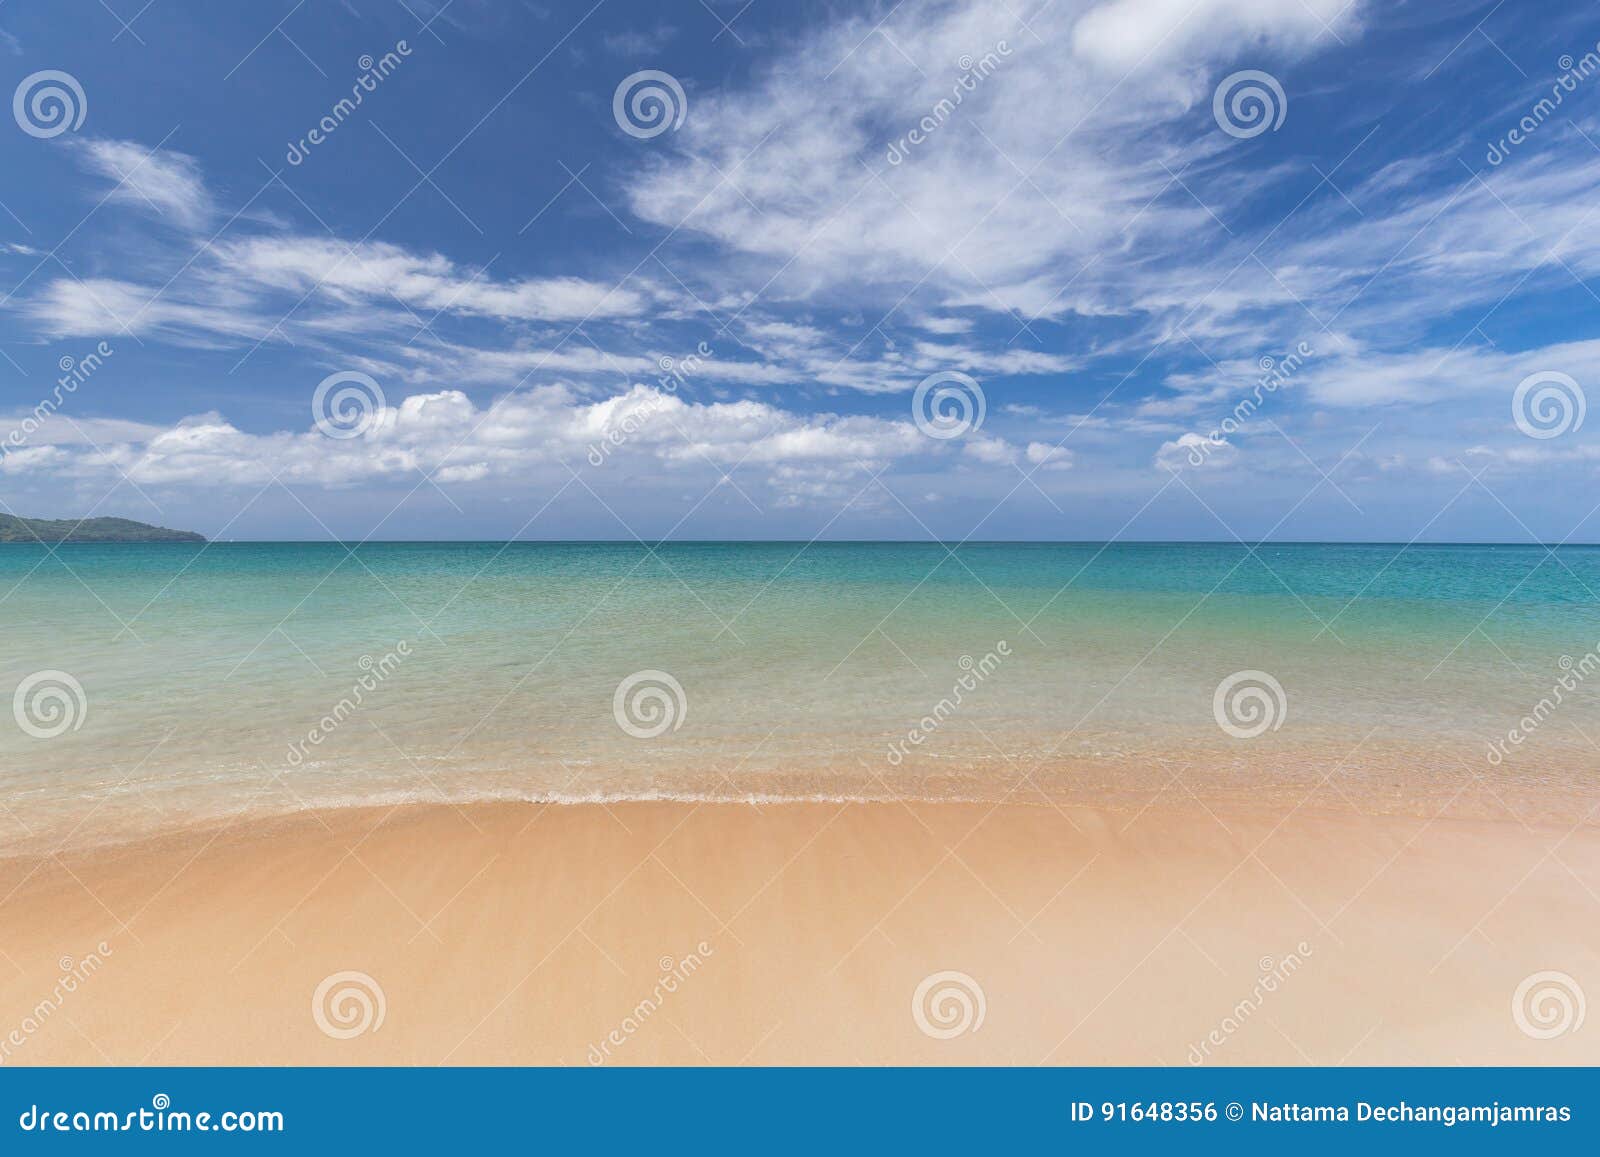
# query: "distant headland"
{"type": "Point", "coordinates": [55, 530]}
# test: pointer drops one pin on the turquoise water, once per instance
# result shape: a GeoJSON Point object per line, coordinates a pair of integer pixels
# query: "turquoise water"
{"type": "Point", "coordinates": [211, 677]}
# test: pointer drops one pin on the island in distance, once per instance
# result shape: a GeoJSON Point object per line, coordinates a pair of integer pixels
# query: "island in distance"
{"type": "Point", "coordinates": [56, 530]}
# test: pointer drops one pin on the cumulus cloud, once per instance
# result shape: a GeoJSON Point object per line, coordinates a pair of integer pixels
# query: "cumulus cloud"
{"type": "Point", "coordinates": [989, 449]}
{"type": "Point", "coordinates": [1193, 451]}
{"type": "Point", "coordinates": [540, 432]}
{"type": "Point", "coordinates": [1046, 456]}
{"type": "Point", "coordinates": [1075, 225]}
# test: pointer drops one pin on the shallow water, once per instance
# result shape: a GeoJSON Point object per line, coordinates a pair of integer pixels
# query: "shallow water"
{"type": "Point", "coordinates": [212, 677]}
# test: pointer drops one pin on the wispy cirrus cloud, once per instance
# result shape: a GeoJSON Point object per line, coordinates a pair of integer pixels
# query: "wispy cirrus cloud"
{"type": "Point", "coordinates": [378, 271]}
{"type": "Point", "coordinates": [165, 183]}
{"type": "Point", "coordinates": [1076, 231]}
{"type": "Point", "coordinates": [1054, 156]}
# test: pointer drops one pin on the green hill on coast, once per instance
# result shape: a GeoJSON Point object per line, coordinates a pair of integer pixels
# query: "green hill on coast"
{"type": "Point", "coordinates": [54, 530]}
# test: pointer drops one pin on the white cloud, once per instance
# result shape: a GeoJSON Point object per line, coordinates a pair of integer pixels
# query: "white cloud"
{"type": "Point", "coordinates": [833, 271]}
{"type": "Point", "coordinates": [1047, 456]}
{"type": "Point", "coordinates": [1428, 376]}
{"type": "Point", "coordinates": [1191, 451]}
{"type": "Point", "coordinates": [1128, 34]}
{"type": "Point", "coordinates": [26, 428]}
{"type": "Point", "coordinates": [534, 433]}
{"type": "Point", "coordinates": [988, 449]}
{"type": "Point", "coordinates": [943, 325]}
{"type": "Point", "coordinates": [377, 271]}
{"type": "Point", "coordinates": [96, 306]}
{"type": "Point", "coordinates": [1041, 166]}
{"type": "Point", "coordinates": [162, 182]}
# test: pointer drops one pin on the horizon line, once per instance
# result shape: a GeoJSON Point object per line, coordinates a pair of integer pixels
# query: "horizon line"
{"type": "Point", "coordinates": [821, 541]}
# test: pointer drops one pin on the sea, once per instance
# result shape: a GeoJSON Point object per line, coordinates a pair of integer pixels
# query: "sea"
{"type": "Point", "coordinates": [159, 686]}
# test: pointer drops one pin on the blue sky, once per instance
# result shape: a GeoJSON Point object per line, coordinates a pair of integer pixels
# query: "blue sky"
{"type": "Point", "coordinates": [1094, 241]}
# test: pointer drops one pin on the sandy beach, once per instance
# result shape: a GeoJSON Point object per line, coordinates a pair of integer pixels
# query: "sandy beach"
{"type": "Point", "coordinates": [664, 933]}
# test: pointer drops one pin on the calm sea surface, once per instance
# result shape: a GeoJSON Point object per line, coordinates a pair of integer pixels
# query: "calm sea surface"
{"type": "Point", "coordinates": [160, 684]}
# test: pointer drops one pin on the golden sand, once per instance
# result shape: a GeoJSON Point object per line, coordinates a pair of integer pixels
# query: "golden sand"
{"type": "Point", "coordinates": [670, 933]}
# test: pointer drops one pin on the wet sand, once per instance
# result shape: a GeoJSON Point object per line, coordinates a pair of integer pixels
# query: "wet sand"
{"type": "Point", "coordinates": [675, 933]}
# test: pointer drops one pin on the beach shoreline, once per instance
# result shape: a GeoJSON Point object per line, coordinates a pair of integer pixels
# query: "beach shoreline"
{"type": "Point", "coordinates": [802, 933]}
